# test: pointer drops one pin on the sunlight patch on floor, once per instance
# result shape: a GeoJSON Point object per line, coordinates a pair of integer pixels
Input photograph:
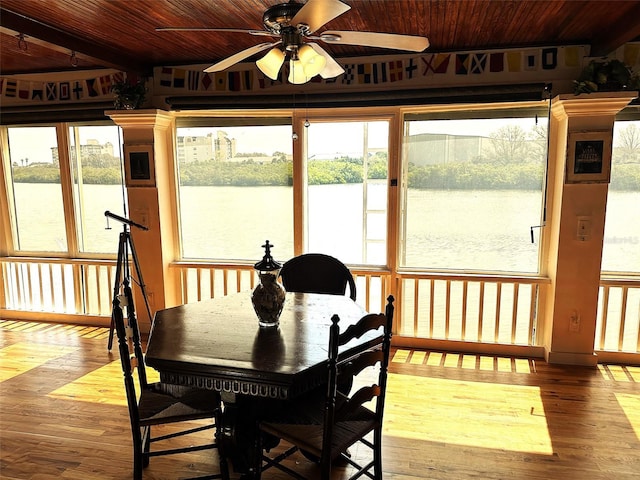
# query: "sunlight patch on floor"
{"type": "Point", "coordinates": [630, 404]}
{"type": "Point", "coordinates": [506, 417]}
{"type": "Point", "coordinates": [104, 385]}
{"type": "Point", "coordinates": [21, 357]}
{"type": "Point", "coordinates": [620, 373]}
{"type": "Point", "coordinates": [466, 361]}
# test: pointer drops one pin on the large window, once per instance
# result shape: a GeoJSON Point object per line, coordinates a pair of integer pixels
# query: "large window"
{"type": "Point", "coordinates": [58, 195]}
{"type": "Point", "coordinates": [347, 164]}
{"type": "Point", "coordinates": [235, 180]}
{"type": "Point", "coordinates": [472, 190]}
{"type": "Point", "coordinates": [97, 185]}
{"type": "Point", "coordinates": [621, 249]}
{"type": "Point", "coordinates": [37, 194]}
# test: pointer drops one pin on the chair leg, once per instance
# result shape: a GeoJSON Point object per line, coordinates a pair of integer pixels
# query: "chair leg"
{"type": "Point", "coordinates": [145, 441]}
{"type": "Point", "coordinates": [377, 454]}
{"type": "Point", "coordinates": [138, 461]}
{"type": "Point", "coordinates": [325, 469]}
{"type": "Point", "coordinates": [224, 467]}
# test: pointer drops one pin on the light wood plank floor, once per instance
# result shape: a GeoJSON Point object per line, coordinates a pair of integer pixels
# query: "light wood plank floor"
{"type": "Point", "coordinates": [63, 415]}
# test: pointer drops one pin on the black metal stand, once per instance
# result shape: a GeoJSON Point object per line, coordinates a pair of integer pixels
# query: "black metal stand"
{"type": "Point", "coordinates": [122, 293]}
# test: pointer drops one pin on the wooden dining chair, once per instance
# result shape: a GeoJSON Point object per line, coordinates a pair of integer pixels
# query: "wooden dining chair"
{"type": "Point", "coordinates": [326, 428]}
{"type": "Point", "coordinates": [317, 273]}
{"type": "Point", "coordinates": [160, 403]}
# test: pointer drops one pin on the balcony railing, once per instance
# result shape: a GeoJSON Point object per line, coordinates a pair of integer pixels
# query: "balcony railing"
{"type": "Point", "coordinates": [57, 287]}
{"type": "Point", "coordinates": [470, 308]}
{"type": "Point", "coordinates": [474, 309]}
{"type": "Point", "coordinates": [618, 323]}
{"type": "Point", "coordinates": [200, 281]}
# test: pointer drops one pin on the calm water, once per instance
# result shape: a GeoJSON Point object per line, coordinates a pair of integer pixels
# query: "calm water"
{"type": "Point", "coordinates": [462, 230]}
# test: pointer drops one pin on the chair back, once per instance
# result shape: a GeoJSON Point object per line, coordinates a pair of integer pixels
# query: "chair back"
{"type": "Point", "coordinates": [129, 361]}
{"type": "Point", "coordinates": [352, 362]}
{"type": "Point", "coordinates": [317, 273]}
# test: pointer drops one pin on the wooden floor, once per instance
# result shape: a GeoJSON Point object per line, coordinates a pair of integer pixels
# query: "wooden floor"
{"type": "Point", "coordinates": [449, 417]}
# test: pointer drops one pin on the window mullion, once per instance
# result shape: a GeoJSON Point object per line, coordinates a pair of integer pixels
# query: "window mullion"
{"type": "Point", "coordinates": [66, 183]}
{"type": "Point", "coordinates": [6, 198]}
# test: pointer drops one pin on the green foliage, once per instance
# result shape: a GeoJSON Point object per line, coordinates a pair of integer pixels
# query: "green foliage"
{"type": "Point", "coordinates": [626, 176]}
{"type": "Point", "coordinates": [49, 173]}
{"type": "Point", "coordinates": [452, 176]}
{"type": "Point", "coordinates": [101, 176]}
{"type": "Point", "coordinates": [609, 75]}
{"type": "Point", "coordinates": [36, 174]}
{"type": "Point", "coordinates": [236, 174]}
{"type": "Point", "coordinates": [476, 176]}
{"type": "Point", "coordinates": [334, 171]}
{"type": "Point", "coordinates": [129, 95]}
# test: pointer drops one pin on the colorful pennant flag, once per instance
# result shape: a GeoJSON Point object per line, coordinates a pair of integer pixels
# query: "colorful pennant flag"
{"type": "Point", "coordinates": [178, 77]}
{"type": "Point", "coordinates": [514, 61]}
{"type": "Point", "coordinates": [549, 58]}
{"type": "Point", "coordinates": [462, 63]}
{"type": "Point", "coordinates": [396, 69]}
{"type": "Point", "coordinates": [105, 84]}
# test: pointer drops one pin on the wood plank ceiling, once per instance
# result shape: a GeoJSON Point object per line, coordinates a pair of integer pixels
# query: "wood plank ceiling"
{"type": "Point", "coordinates": [121, 33]}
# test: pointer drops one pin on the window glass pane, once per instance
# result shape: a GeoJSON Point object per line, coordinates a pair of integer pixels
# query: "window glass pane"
{"type": "Point", "coordinates": [235, 191]}
{"type": "Point", "coordinates": [472, 192]}
{"type": "Point", "coordinates": [37, 195]}
{"type": "Point", "coordinates": [97, 185]}
{"type": "Point", "coordinates": [347, 164]}
{"type": "Point", "coordinates": [621, 249]}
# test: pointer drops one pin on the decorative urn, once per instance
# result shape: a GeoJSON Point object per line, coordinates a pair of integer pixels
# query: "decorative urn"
{"type": "Point", "coordinates": [268, 296]}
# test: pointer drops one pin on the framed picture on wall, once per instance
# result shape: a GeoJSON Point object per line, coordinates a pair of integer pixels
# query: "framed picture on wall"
{"type": "Point", "coordinates": [139, 168]}
{"type": "Point", "coordinates": [589, 157]}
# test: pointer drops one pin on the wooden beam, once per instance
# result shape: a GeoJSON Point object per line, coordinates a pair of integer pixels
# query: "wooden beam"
{"type": "Point", "coordinates": [614, 36]}
{"type": "Point", "coordinates": [61, 41]}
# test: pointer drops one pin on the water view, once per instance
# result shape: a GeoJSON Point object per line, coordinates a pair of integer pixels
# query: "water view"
{"type": "Point", "coordinates": [462, 231]}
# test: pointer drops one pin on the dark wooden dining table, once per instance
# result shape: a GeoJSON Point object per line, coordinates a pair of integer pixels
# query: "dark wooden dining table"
{"type": "Point", "coordinates": [217, 344]}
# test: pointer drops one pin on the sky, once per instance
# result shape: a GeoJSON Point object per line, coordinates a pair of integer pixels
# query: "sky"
{"type": "Point", "coordinates": [35, 143]}
{"type": "Point", "coordinates": [325, 139]}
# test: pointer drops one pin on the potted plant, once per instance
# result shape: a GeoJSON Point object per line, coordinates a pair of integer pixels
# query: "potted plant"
{"type": "Point", "coordinates": [129, 95]}
{"type": "Point", "coordinates": [606, 76]}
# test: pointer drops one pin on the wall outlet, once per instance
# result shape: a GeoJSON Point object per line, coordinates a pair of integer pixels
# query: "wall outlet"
{"type": "Point", "coordinates": [584, 229]}
{"type": "Point", "coordinates": [574, 322]}
{"type": "Point", "coordinates": [142, 214]}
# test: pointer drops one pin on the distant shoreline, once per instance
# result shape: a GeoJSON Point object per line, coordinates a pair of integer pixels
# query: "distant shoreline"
{"type": "Point", "coordinates": [453, 176]}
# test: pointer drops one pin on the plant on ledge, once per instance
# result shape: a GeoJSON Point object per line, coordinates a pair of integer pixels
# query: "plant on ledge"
{"type": "Point", "coordinates": [129, 96]}
{"type": "Point", "coordinates": [606, 76]}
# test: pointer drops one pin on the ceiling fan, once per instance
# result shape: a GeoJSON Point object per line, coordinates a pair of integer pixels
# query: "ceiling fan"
{"type": "Point", "coordinates": [296, 24]}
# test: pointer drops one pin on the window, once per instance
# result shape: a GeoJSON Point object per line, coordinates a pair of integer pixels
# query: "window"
{"type": "Point", "coordinates": [621, 249]}
{"type": "Point", "coordinates": [42, 175]}
{"type": "Point", "coordinates": [97, 185]}
{"type": "Point", "coordinates": [472, 190]}
{"type": "Point", "coordinates": [38, 210]}
{"type": "Point", "coordinates": [235, 187]}
{"type": "Point", "coordinates": [347, 165]}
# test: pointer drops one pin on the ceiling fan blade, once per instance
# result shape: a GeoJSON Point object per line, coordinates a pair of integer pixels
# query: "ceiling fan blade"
{"type": "Point", "coordinates": [316, 13]}
{"type": "Point", "coordinates": [238, 57]}
{"type": "Point", "coordinates": [332, 68]}
{"type": "Point", "coordinates": [411, 43]}
{"type": "Point", "coordinates": [213, 29]}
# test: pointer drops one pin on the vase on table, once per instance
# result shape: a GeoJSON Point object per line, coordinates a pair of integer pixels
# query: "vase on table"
{"type": "Point", "coordinates": [268, 296]}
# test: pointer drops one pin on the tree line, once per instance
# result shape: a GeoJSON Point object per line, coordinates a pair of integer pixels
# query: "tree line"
{"type": "Point", "coordinates": [453, 176]}
{"type": "Point", "coordinates": [513, 159]}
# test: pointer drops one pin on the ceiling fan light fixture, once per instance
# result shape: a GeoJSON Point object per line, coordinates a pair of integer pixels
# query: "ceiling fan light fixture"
{"type": "Point", "coordinates": [312, 62]}
{"type": "Point", "coordinates": [296, 72]}
{"type": "Point", "coordinates": [271, 63]}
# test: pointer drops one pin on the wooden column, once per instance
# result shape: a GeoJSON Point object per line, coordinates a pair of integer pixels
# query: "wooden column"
{"type": "Point", "coordinates": [149, 135]}
{"type": "Point", "coordinates": [574, 231]}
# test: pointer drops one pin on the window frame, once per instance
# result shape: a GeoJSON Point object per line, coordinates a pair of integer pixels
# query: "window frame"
{"type": "Point", "coordinates": [524, 109]}
{"type": "Point", "coordinates": [8, 221]}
